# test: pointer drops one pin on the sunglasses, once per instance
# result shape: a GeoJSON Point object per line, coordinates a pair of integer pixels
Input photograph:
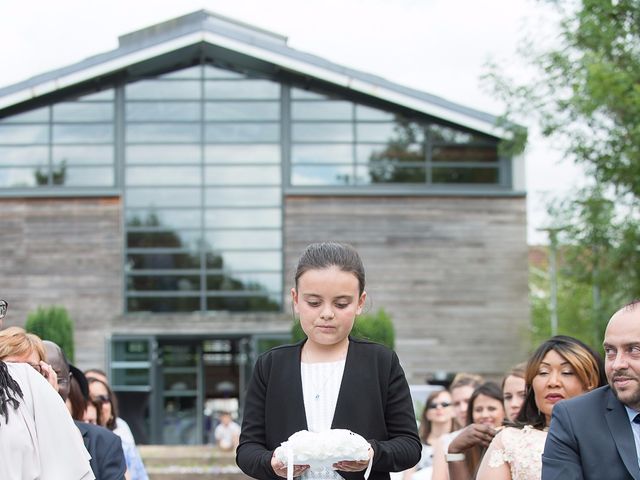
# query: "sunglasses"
{"type": "Point", "coordinates": [433, 405]}
{"type": "Point", "coordinates": [3, 308]}
{"type": "Point", "coordinates": [101, 399]}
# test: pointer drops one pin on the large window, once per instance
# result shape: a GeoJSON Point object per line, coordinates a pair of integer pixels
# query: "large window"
{"type": "Point", "coordinates": [203, 192]}
{"type": "Point", "coordinates": [337, 142]}
{"type": "Point", "coordinates": [70, 144]}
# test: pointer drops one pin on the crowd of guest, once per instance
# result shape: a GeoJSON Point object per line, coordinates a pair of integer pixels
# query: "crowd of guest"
{"type": "Point", "coordinates": [57, 422]}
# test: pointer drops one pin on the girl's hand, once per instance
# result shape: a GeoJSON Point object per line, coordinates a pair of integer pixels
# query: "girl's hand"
{"type": "Point", "coordinates": [280, 468]}
{"type": "Point", "coordinates": [353, 465]}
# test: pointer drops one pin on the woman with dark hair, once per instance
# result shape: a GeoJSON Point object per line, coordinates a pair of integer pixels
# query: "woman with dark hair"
{"type": "Point", "coordinates": [437, 419]}
{"type": "Point", "coordinates": [485, 412]}
{"type": "Point", "coordinates": [562, 367]}
{"type": "Point", "coordinates": [107, 414]}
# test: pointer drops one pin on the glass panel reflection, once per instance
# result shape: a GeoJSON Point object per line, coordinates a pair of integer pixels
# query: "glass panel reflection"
{"type": "Point", "coordinates": [391, 172]}
{"type": "Point", "coordinates": [163, 176]}
{"type": "Point", "coordinates": [180, 154]}
{"type": "Point", "coordinates": [241, 89]}
{"type": "Point", "coordinates": [242, 111]}
{"type": "Point", "coordinates": [242, 132]}
{"type": "Point", "coordinates": [243, 197]}
{"type": "Point", "coordinates": [330, 110]}
{"type": "Point", "coordinates": [83, 155]}
{"type": "Point", "coordinates": [159, 111]}
{"type": "Point", "coordinates": [87, 133]}
{"type": "Point", "coordinates": [23, 156]}
{"type": "Point", "coordinates": [162, 261]}
{"type": "Point", "coordinates": [227, 175]}
{"type": "Point", "coordinates": [131, 350]}
{"type": "Point", "coordinates": [32, 116]}
{"type": "Point", "coordinates": [88, 176]}
{"type": "Point", "coordinates": [163, 197]}
{"type": "Point", "coordinates": [78, 112]}
{"type": "Point", "coordinates": [250, 261]}
{"type": "Point", "coordinates": [243, 304]}
{"type": "Point", "coordinates": [398, 152]}
{"type": "Point", "coordinates": [298, 93]}
{"type": "Point", "coordinates": [19, 177]}
{"type": "Point", "coordinates": [440, 133]}
{"type": "Point", "coordinates": [163, 304]}
{"type": "Point", "coordinates": [465, 175]}
{"type": "Point", "coordinates": [243, 217]}
{"type": "Point", "coordinates": [178, 218]}
{"type": "Point", "coordinates": [369, 113]}
{"type": "Point", "coordinates": [141, 283]}
{"type": "Point", "coordinates": [225, 239]}
{"type": "Point", "coordinates": [242, 153]}
{"type": "Point", "coordinates": [322, 132]}
{"type": "Point", "coordinates": [163, 239]}
{"type": "Point", "coordinates": [215, 72]}
{"type": "Point", "coordinates": [463, 153]}
{"type": "Point", "coordinates": [163, 132]}
{"type": "Point", "coordinates": [266, 282]}
{"type": "Point", "coordinates": [192, 72]}
{"type": "Point", "coordinates": [162, 90]}
{"type": "Point", "coordinates": [130, 377]}
{"type": "Point", "coordinates": [306, 175]}
{"type": "Point", "coordinates": [23, 134]}
{"type": "Point", "coordinates": [322, 153]}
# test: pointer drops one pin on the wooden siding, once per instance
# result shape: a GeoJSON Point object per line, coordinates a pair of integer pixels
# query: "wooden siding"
{"type": "Point", "coordinates": [452, 272]}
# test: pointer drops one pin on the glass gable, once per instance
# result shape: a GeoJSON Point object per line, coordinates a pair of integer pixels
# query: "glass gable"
{"type": "Point", "coordinates": [198, 157]}
{"type": "Point", "coordinates": [203, 193]}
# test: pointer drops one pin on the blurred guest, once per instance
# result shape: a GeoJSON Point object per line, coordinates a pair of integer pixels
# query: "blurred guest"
{"type": "Point", "coordinates": [513, 391]}
{"type": "Point", "coordinates": [485, 417]}
{"type": "Point", "coordinates": [34, 422]}
{"type": "Point", "coordinates": [461, 388]}
{"type": "Point", "coordinates": [105, 447]}
{"type": "Point", "coordinates": [436, 420]}
{"type": "Point", "coordinates": [101, 393]}
{"type": "Point", "coordinates": [227, 433]}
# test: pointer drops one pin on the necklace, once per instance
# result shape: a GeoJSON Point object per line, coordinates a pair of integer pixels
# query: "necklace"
{"type": "Point", "coordinates": [317, 389]}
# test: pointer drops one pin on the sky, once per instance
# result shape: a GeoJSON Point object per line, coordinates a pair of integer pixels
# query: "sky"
{"type": "Point", "coordinates": [438, 46]}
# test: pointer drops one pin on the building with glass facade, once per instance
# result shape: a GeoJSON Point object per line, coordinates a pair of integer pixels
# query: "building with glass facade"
{"type": "Point", "coordinates": [163, 191]}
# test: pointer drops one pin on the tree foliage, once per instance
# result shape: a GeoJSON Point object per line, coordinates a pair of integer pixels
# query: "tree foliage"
{"type": "Point", "coordinates": [54, 324]}
{"type": "Point", "coordinates": [585, 94]}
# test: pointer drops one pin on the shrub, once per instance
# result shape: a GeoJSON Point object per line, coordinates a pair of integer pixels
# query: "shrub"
{"type": "Point", "coordinates": [53, 324]}
{"type": "Point", "coordinates": [376, 327]}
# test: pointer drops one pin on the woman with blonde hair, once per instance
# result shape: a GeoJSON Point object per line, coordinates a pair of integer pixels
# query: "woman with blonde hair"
{"type": "Point", "coordinates": [514, 391]}
{"type": "Point", "coordinates": [38, 439]}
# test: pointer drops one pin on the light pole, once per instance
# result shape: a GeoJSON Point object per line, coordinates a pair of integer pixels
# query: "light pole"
{"type": "Point", "coordinates": [553, 276]}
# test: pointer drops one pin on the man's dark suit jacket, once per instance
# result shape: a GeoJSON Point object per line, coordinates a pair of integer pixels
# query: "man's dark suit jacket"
{"type": "Point", "coordinates": [105, 448]}
{"type": "Point", "coordinates": [590, 438]}
{"type": "Point", "coordinates": [374, 401]}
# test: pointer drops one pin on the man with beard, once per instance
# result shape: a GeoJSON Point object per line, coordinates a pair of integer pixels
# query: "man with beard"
{"type": "Point", "coordinates": [597, 435]}
{"type": "Point", "coordinates": [105, 447]}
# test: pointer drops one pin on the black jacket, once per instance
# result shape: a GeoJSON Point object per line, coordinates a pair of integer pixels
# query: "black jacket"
{"type": "Point", "coordinates": [105, 448]}
{"type": "Point", "coordinates": [374, 401]}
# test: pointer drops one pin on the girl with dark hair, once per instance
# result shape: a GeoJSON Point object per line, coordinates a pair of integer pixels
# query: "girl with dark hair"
{"type": "Point", "coordinates": [514, 391]}
{"type": "Point", "coordinates": [329, 381]}
{"type": "Point", "coordinates": [560, 368]}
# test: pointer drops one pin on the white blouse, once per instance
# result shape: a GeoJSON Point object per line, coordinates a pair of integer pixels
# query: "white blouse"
{"type": "Point", "coordinates": [320, 388]}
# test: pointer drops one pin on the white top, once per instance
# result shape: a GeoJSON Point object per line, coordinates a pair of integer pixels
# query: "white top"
{"type": "Point", "coordinates": [320, 388]}
{"type": "Point", "coordinates": [40, 441]}
{"type": "Point", "coordinates": [123, 431]}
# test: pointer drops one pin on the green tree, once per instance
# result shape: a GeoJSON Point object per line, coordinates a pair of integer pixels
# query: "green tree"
{"type": "Point", "coordinates": [54, 324]}
{"type": "Point", "coordinates": [585, 94]}
{"type": "Point", "coordinates": [377, 327]}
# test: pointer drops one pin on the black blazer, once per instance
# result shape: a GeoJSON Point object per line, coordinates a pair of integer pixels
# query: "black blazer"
{"type": "Point", "coordinates": [590, 438]}
{"type": "Point", "coordinates": [373, 401]}
{"type": "Point", "coordinates": [105, 448]}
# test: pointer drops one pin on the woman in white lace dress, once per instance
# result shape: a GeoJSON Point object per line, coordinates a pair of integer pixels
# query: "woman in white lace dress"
{"type": "Point", "coordinates": [562, 367]}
